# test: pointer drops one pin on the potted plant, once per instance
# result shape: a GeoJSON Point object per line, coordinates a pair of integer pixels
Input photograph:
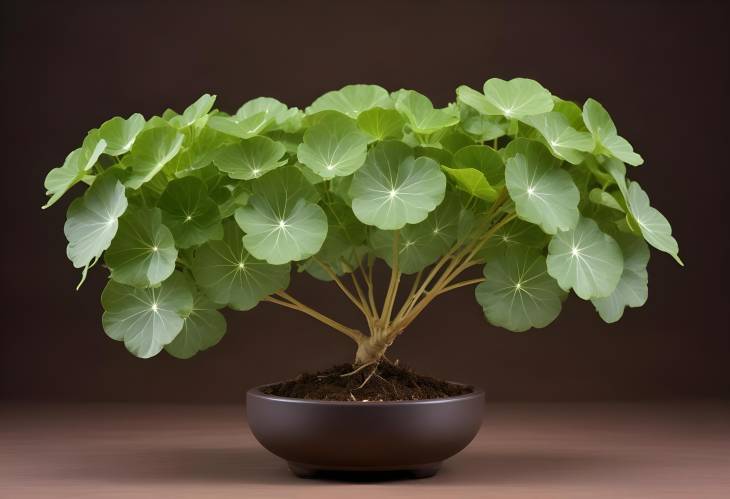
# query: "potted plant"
{"type": "Point", "coordinates": [202, 210]}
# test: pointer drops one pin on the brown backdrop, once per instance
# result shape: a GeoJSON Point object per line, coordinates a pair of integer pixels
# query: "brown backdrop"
{"type": "Point", "coordinates": [660, 68]}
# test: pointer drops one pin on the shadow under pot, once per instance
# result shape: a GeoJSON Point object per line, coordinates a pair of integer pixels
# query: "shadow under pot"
{"type": "Point", "coordinates": [364, 440]}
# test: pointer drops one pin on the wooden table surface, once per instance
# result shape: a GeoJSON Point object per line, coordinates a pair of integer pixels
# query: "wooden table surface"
{"type": "Point", "coordinates": [533, 451]}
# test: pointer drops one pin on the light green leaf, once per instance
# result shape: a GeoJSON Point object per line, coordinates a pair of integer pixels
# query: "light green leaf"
{"type": "Point", "coordinates": [152, 150]}
{"type": "Point", "coordinates": [190, 214]}
{"type": "Point", "coordinates": [381, 123]}
{"type": "Point", "coordinates": [243, 128]}
{"type": "Point", "coordinates": [471, 181]}
{"type": "Point", "coordinates": [281, 225]}
{"type": "Point", "coordinates": [562, 139]}
{"type": "Point", "coordinates": [146, 319]}
{"type": "Point", "coordinates": [518, 294]}
{"type": "Point", "coordinates": [483, 158]}
{"type": "Point", "coordinates": [632, 289]}
{"type": "Point", "coordinates": [193, 112]}
{"type": "Point", "coordinates": [352, 100]}
{"type": "Point", "coordinates": [344, 233]}
{"type": "Point", "coordinates": [516, 98]}
{"type": "Point", "coordinates": [120, 134]}
{"type": "Point", "coordinates": [543, 193]}
{"type": "Point", "coordinates": [421, 244]}
{"type": "Point", "coordinates": [143, 252]}
{"type": "Point", "coordinates": [393, 189]}
{"type": "Point", "coordinates": [484, 127]}
{"type": "Point", "coordinates": [92, 221]}
{"type": "Point", "coordinates": [333, 147]}
{"type": "Point", "coordinates": [603, 198]}
{"type": "Point", "coordinates": [653, 225]}
{"type": "Point", "coordinates": [199, 148]}
{"type": "Point", "coordinates": [571, 111]}
{"type": "Point", "coordinates": [250, 158]}
{"type": "Point", "coordinates": [421, 115]}
{"type": "Point", "coordinates": [276, 114]}
{"type": "Point", "coordinates": [74, 169]}
{"type": "Point", "coordinates": [600, 124]}
{"type": "Point", "coordinates": [203, 327]}
{"type": "Point", "coordinates": [586, 260]}
{"type": "Point", "coordinates": [229, 275]}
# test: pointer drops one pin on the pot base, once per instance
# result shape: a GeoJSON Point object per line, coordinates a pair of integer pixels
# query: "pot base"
{"type": "Point", "coordinates": [364, 474]}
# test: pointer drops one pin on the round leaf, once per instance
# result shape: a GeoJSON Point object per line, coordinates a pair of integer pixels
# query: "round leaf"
{"type": "Point", "coordinates": [229, 275]}
{"type": "Point", "coordinates": [632, 289]}
{"type": "Point", "coordinates": [471, 181]}
{"type": "Point", "coordinates": [203, 327]}
{"type": "Point", "coordinates": [143, 252]}
{"type": "Point", "coordinates": [562, 139]}
{"type": "Point", "coordinates": [152, 150]}
{"type": "Point", "coordinates": [146, 319]}
{"type": "Point", "coordinates": [381, 123]}
{"type": "Point", "coordinates": [586, 260]}
{"type": "Point", "coordinates": [653, 225]}
{"type": "Point", "coordinates": [543, 193]}
{"type": "Point", "coordinates": [600, 124]}
{"type": "Point", "coordinates": [393, 189]}
{"type": "Point", "coordinates": [190, 214]}
{"type": "Point", "coordinates": [250, 158]}
{"type": "Point", "coordinates": [518, 294]}
{"type": "Point", "coordinates": [421, 115]}
{"type": "Point", "coordinates": [483, 158]}
{"type": "Point", "coordinates": [92, 220]}
{"type": "Point", "coordinates": [421, 244]}
{"type": "Point", "coordinates": [515, 98]}
{"type": "Point", "coordinates": [281, 225]}
{"type": "Point", "coordinates": [333, 147]}
{"type": "Point", "coordinates": [120, 134]}
{"type": "Point", "coordinates": [351, 100]}
{"type": "Point", "coordinates": [74, 169]}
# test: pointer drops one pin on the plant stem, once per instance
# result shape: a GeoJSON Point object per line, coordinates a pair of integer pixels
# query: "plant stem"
{"type": "Point", "coordinates": [393, 285]}
{"type": "Point", "coordinates": [333, 275]}
{"type": "Point", "coordinates": [295, 304]}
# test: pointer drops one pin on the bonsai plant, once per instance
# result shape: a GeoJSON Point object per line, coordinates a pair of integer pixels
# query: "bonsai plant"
{"type": "Point", "coordinates": [202, 210]}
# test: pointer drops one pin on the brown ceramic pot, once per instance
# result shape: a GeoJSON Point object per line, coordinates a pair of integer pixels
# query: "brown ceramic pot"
{"type": "Point", "coordinates": [409, 438]}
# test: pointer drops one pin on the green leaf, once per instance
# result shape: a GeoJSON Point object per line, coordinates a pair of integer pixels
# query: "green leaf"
{"type": "Point", "coordinates": [586, 260]}
{"type": "Point", "coordinates": [193, 112]}
{"type": "Point", "coordinates": [276, 114]}
{"type": "Point", "coordinates": [421, 244]}
{"type": "Point", "coordinates": [393, 189]}
{"type": "Point", "coordinates": [146, 319]}
{"type": "Point", "coordinates": [333, 147]}
{"type": "Point", "coordinates": [152, 150]}
{"type": "Point", "coordinates": [243, 128]}
{"type": "Point", "coordinates": [518, 294]}
{"type": "Point", "coordinates": [562, 139]}
{"type": "Point", "coordinates": [203, 327]}
{"type": "Point", "coordinates": [600, 124]}
{"type": "Point", "coordinates": [381, 124]}
{"type": "Point", "coordinates": [92, 221]}
{"type": "Point", "coordinates": [143, 252]}
{"type": "Point", "coordinates": [120, 134]}
{"type": "Point", "coordinates": [344, 232]}
{"type": "Point", "coordinates": [74, 169]}
{"type": "Point", "coordinates": [421, 115]}
{"type": "Point", "coordinates": [229, 275]}
{"type": "Point", "coordinates": [198, 150]}
{"type": "Point", "coordinates": [280, 223]}
{"type": "Point", "coordinates": [352, 100]}
{"type": "Point", "coordinates": [483, 158]}
{"type": "Point", "coordinates": [471, 181]}
{"type": "Point", "coordinates": [517, 233]}
{"type": "Point", "coordinates": [516, 98]}
{"type": "Point", "coordinates": [571, 111]}
{"type": "Point", "coordinates": [543, 193]}
{"type": "Point", "coordinates": [653, 225]}
{"type": "Point", "coordinates": [483, 127]}
{"type": "Point", "coordinates": [632, 289]}
{"type": "Point", "coordinates": [607, 199]}
{"type": "Point", "coordinates": [250, 158]}
{"type": "Point", "coordinates": [190, 214]}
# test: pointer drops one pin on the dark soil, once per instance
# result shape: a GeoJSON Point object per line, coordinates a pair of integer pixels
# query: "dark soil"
{"type": "Point", "coordinates": [387, 382]}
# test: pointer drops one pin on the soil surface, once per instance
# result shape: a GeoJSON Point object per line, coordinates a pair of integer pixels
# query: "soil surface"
{"type": "Point", "coordinates": [383, 382]}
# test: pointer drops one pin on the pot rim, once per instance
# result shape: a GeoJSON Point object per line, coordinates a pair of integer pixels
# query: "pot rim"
{"type": "Point", "coordinates": [477, 392]}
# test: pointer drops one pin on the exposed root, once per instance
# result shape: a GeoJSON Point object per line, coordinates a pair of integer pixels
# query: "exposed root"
{"type": "Point", "coordinates": [360, 368]}
{"type": "Point", "coordinates": [369, 377]}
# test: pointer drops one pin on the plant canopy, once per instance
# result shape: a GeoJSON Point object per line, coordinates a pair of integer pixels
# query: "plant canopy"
{"type": "Point", "coordinates": [202, 210]}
